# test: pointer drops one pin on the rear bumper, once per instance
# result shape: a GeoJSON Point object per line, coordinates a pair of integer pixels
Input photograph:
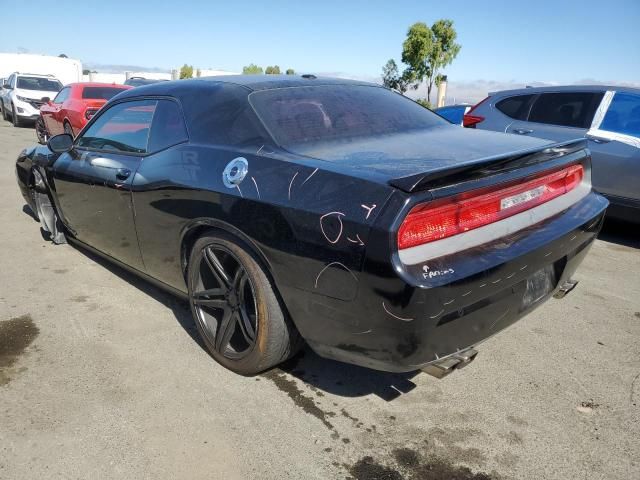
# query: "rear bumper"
{"type": "Point", "coordinates": [398, 324]}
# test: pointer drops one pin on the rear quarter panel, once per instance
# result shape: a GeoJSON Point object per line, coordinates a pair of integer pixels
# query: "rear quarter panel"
{"type": "Point", "coordinates": [309, 226]}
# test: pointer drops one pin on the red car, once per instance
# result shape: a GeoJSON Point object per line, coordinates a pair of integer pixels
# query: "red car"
{"type": "Point", "coordinates": [73, 107]}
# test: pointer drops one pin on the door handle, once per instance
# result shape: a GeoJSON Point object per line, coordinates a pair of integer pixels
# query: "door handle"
{"type": "Point", "coordinates": [522, 131]}
{"type": "Point", "coordinates": [123, 173]}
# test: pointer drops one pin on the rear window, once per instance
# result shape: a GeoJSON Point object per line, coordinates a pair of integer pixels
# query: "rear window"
{"type": "Point", "coordinates": [38, 83]}
{"type": "Point", "coordinates": [100, 93]}
{"type": "Point", "coordinates": [321, 113]}
{"type": "Point", "coordinates": [623, 115]}
{"type": "Point", "coordinates": [572, 109]}
{"type": "Point", "coordinates": [515, 107]}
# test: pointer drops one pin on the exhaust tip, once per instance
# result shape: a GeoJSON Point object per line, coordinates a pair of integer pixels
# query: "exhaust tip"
{"type": "Point", "coordinates": [444, 366]}
{"type": "Point", "coordinates": [565, 288]}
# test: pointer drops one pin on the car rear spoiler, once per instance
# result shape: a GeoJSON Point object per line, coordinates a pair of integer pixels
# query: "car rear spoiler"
{"type": "Point", "coordinates": [486, 166]}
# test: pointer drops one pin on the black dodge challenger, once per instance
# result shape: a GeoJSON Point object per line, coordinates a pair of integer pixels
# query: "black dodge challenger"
{"type": "Point", "coordinates": [330, 211]}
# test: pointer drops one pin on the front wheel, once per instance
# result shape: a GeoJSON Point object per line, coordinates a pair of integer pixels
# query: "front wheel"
{"type": "Point", "coordinates": [14, 117]}
{"type": "Point", "coordinates": [235, 307]}
{"type": "Point", "coordinates": [68, 129]}
{"type": "Point", "coordinates": [46, 212]}
{"type": "Point", "coordinates": [41, 132]}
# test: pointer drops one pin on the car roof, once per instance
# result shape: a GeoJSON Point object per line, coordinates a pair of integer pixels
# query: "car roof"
{"type": "Point", "coordinates": [250, 82]}
{"type": "Point", "coordinates": [27, 74]}
{"type": "Point", "coordinates": [565, 88]}
{"type": "Point", "coordinates": [97, 84]}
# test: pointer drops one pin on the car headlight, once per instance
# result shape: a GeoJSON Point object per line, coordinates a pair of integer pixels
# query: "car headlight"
{"type": "Point", "coordinates": [23, 99]}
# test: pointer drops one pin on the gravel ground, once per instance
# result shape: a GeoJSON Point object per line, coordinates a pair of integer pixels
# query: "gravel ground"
{"type": "Point", "coordinates": [102, 376]}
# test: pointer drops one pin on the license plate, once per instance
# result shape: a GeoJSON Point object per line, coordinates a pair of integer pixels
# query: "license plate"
{"type": "Point", "coordinates": [539, 285]}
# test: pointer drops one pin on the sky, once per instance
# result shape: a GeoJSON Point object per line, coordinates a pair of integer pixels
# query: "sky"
{"type": "Point", "coordinates": [504, 43]}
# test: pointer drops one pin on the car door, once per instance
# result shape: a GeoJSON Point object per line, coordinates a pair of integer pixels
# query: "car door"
{"type": "Point", "coordinates": [559, 116]}
{"type": "Point", "coordinates": [615, 148]}
{"type": "Point", "coordinates": [51, 112]}
{"type": "Point", "coordinates": [93, 180]}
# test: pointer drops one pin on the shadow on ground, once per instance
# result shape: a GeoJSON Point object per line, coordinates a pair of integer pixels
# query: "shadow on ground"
{"type": "Point", "coordinates": [320, 374]}
{"type": "Point", "coordinates": [621, 233]}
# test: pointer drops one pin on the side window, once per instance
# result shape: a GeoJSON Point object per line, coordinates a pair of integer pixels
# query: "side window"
{"type": "Point", "coordinates": [122, 128]}
{"type": "Point", "coordinates": [623, 115]}
{"type": "Point", "coordinates": [515, 107]}
{"type": "Point", "coordinates": [168, 127]}
{"type": "Point", "coordinates": [62, 95]}
{"type": "Point", "coordinates": [571, 109]}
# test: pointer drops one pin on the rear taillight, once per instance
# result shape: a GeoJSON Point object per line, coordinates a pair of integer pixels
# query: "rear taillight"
{"type": "Point", "coordinates": [90, 112]}
{"type": "Point", "coordinates": [469, 120]}
{"type": "Point", "coordinates": [434, 221]}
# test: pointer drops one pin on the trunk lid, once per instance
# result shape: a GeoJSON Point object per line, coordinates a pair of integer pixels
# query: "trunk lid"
{"type": "Point", "coordinates": [423, 159]}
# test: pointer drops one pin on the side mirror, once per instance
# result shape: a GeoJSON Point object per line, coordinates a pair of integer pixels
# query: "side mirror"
{"type": "Point", "coordinates": [7, 86]}
{"type": "Point", "coordinates": [46, 99]}
{"type": "Point", "coordinates": [60, 143]}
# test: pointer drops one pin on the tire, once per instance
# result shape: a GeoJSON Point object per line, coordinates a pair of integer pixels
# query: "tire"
{"type": "Point", "coordinates": [14, 117]}
{"type": "Point", "coordinates": [46, 212]}
{"type": "Point", "coordinates": [68, 129]}
{"type": "Point", "coordinates": [241, 293]}
{"type": "Point", "coordinates": [41, 132]}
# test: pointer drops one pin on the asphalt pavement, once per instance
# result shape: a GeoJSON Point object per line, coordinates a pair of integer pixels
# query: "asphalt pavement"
{"type": "Point", "coordinates": [102, 376]}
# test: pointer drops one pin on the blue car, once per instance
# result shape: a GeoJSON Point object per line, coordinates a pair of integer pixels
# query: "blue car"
{"type": "Point", "coordinates": [453, 113]}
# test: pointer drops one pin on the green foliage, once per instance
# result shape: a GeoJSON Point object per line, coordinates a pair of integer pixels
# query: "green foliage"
{"type": "Point", "coordinates": [428, 50]}
{"type": "Point", "coordinates": [291, 71]}
{"type": "Point", "coordinates": [275, 70]}
{"type": "Point", "coordinates": [186, 71]}
{"type": "Point", "coordinates": [425, 103]}
{"type": "Point", "coordinates": [252, 69]}
{"type": "Point", "coordinates": [391, 77]}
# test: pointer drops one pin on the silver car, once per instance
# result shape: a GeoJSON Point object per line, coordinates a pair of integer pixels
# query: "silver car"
{"type": "Point", "coordinates": [608, 116]}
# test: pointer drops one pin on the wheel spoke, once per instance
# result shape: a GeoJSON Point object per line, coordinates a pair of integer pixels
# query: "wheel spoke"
{"type": "Point", "coordinates": [245, 326]}
{"type": "Point", "coordinates": [213, 297]}
{"type": "Point", "coordinates": [216, 268]}
{"type": "Point", "coordinates": [226, 327]}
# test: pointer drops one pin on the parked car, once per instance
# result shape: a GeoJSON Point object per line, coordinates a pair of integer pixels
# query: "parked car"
{"type": "Point", "coordinates": [607, 116]}
{"type": "Point", "coordinates": [333, 210]}
{"type": "Point", "coordinates": [23, 94]}
{"type": "Point", "coordinates": [453, 113]}
{"type": "Point", "coordinates": [73, 107]}
{"type": "Point", "coordinates": [140, 81]}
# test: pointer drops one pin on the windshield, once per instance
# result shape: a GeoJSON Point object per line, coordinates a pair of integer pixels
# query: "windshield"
{"type": "Point", "coordinates": [302, 115]}
{"type": "Point", "coordinates": [38, 83]}
{"type": "Point", "coordinates": [100, 93]}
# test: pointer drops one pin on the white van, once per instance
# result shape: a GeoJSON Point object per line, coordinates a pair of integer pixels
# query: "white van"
{"type": "Point", "coordinates": [67, 70]}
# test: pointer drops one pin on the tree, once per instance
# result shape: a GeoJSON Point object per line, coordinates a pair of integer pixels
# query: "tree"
{"type": "Point", "coordinates": [86, 71]}
{"type": "Point", "coordinates": [186, 71]}
{"type": "Point", "coordinates": [290, 71]}
{"type": "Point", "coordinates": [275, 70]}
{"type": "Point", "coordinates": [424, 102]}
{"type": "Point", "coordinates": [62, 55]}
{"type": "Point", "coordinates": [252, 69]}
{"type": "Point", "coordinates": [428, 50]}
{"type": "Point", "coordinates": [391, 77]}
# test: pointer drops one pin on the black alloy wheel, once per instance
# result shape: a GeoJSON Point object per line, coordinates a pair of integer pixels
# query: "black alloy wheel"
{"type": "Point", "coordinates": [68, 129]}
{"type": "Point", "coordinates": [41, 132]}
{"type": "Point", "coordinates": [235, 307]}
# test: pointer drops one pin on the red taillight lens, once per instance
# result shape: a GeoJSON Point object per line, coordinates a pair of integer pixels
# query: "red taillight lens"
{"type": "Point", "coordinates": [470, 121]}
{"type": "Point", "coordinates": [426, 223]}
{"type": "Point", "coordinates": [90, 112]}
